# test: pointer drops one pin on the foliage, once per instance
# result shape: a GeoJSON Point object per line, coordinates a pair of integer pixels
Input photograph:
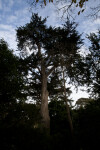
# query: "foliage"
{"type": "Point", "coordinates": [93, 62]}
{"type": "Point", "coordinates": [49, 46]}
{"type": "Point", "coordinates": [87, 125]}
{"type": "Point", "coordinates": [19, 131]}
{"type": "Point", "coordinates": [19, 114]}
{"type": "Point", "coordinates": [11, 80]}
{"type": "Point", "coordinates": [53, 50]}
{"type": "Point", "coordinates": [57, 111]}
{"type": "Point", "coordinates": [82, 102]}
{"type": "Point", "coordinates": [19, 127]}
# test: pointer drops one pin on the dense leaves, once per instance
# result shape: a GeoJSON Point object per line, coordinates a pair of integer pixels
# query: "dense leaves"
{"type": "Point", "coordinates": [19, 127]}
{"type": "Point", "coordinates": [87, 125]}
{"type": "Point", "coordinates": [93, 61]}
{"type": "Point", "coordinates": [11, 79]}
{"type": "Point", "coordinates": [51, 48]}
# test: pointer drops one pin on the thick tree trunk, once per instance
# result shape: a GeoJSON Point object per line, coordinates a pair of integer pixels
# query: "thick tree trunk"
{"type": "Point", "coordinates": [44, 93]}
{"type": "Point", "coordinates": [44, 102]}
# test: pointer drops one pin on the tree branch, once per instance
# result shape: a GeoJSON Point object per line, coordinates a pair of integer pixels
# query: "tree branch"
{"type": "Point", "coordinates": [50, 71]}
{"type": "Point", "coordinates": [38, 69]}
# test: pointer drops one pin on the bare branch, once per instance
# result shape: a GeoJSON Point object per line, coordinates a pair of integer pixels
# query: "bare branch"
{"type": "Point", "coordinates": [94, 12]}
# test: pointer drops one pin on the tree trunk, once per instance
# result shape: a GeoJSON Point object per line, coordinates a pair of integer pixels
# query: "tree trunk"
{"type": "Point", "coordinates": [44, 102]}
{"type": "Point", "coordinates": [44, 94]}
{"type": "Point", "coordinates": [68, 110]}
{"type": "Point", "coordinates": [69, 120]}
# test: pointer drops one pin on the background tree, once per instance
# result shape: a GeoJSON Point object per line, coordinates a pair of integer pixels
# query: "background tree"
{"type": "Point", "coordinates": [87, 125]}
{"type": "Point", "coordinates": [82, 102]}
{"type": "Point", "coordinates": [11, 79]}
{"type": "Point", "coordinates": [93, 62]}
{"type": "Point", "coordinates": [60, 125]}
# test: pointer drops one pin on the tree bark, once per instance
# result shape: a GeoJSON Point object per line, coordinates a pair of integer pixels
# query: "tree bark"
{"type": "Point", "coordinates": [44, 101]}
{"type": "Point", "coordinates": [45, 123]}
{"type": "Point", "coordinates": [68, 110]}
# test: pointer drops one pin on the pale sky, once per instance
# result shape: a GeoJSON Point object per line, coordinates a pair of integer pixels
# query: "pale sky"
{"type": "Point", "coordinates": [15, 13]}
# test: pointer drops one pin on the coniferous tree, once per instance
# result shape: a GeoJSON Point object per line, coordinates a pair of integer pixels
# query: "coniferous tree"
{"type": "Point", "coordinates": [51, 50]}
{"type": "Point", "coordinates": [11, 79]}
{"type": "Point", "coordinates": [93, 62]}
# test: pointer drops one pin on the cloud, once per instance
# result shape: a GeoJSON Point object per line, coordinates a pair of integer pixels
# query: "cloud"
{"type": "Point", "coordinates": [6, 27]}
{"type": "Point", "coordinates": [12, 19]}
{"type": "Point", "coordinates": [50, 13]}
{"type": "Point", "coordinates": [7, 32]}
{"type": "Point", "coordinates": [81, 93]}
{"type": "Point", "coordinates": [0, 5]}
{"type": "Point", "coordinates": [7, 5]}
{"type": "Point", "coordinates": [89, 27]}
{"type": "Point", "coordinates": [22, 16]}
{"type": "Point", "coordinates": [10, 38]}
{"type": "Point", "coordinates": [13, 14]}
{"type": "Point", "coordinates": [11, 2]}
{"type": "Point", "coordinates": [97, 21]}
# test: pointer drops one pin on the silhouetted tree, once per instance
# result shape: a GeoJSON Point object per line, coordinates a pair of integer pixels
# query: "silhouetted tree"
{"type": "Point", "coordinates": [11, 79]}
{"type": "Point", "coordinates": [87, 125]}
{"type": "Point", "coordinates": [82, 102]}
{"type": "Point", "coordinates": [93, 62]}
{"type": "Point", "coordinates": [51, 49]}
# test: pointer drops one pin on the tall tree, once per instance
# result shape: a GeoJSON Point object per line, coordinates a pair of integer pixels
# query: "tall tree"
{"type": "Point", "coordinates": [11, 79]}
{"type": "Point", "coordinates": [93, 61]}
{"type": "Point", "coordinates": [33, 36]}
{"type": "Point", "coordinates": [48, 47]}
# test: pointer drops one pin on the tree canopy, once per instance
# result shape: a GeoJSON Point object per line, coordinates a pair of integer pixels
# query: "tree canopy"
{"type": "Point", "coordinates": [93, 61]}
{"type": "Point", "coordinates": [54, 59]}
{"type": "Point", "coordinates": [11, 79]}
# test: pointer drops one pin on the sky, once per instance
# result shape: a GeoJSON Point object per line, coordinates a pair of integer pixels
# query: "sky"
{"type": "Point", "coordinates": [16, 13]}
